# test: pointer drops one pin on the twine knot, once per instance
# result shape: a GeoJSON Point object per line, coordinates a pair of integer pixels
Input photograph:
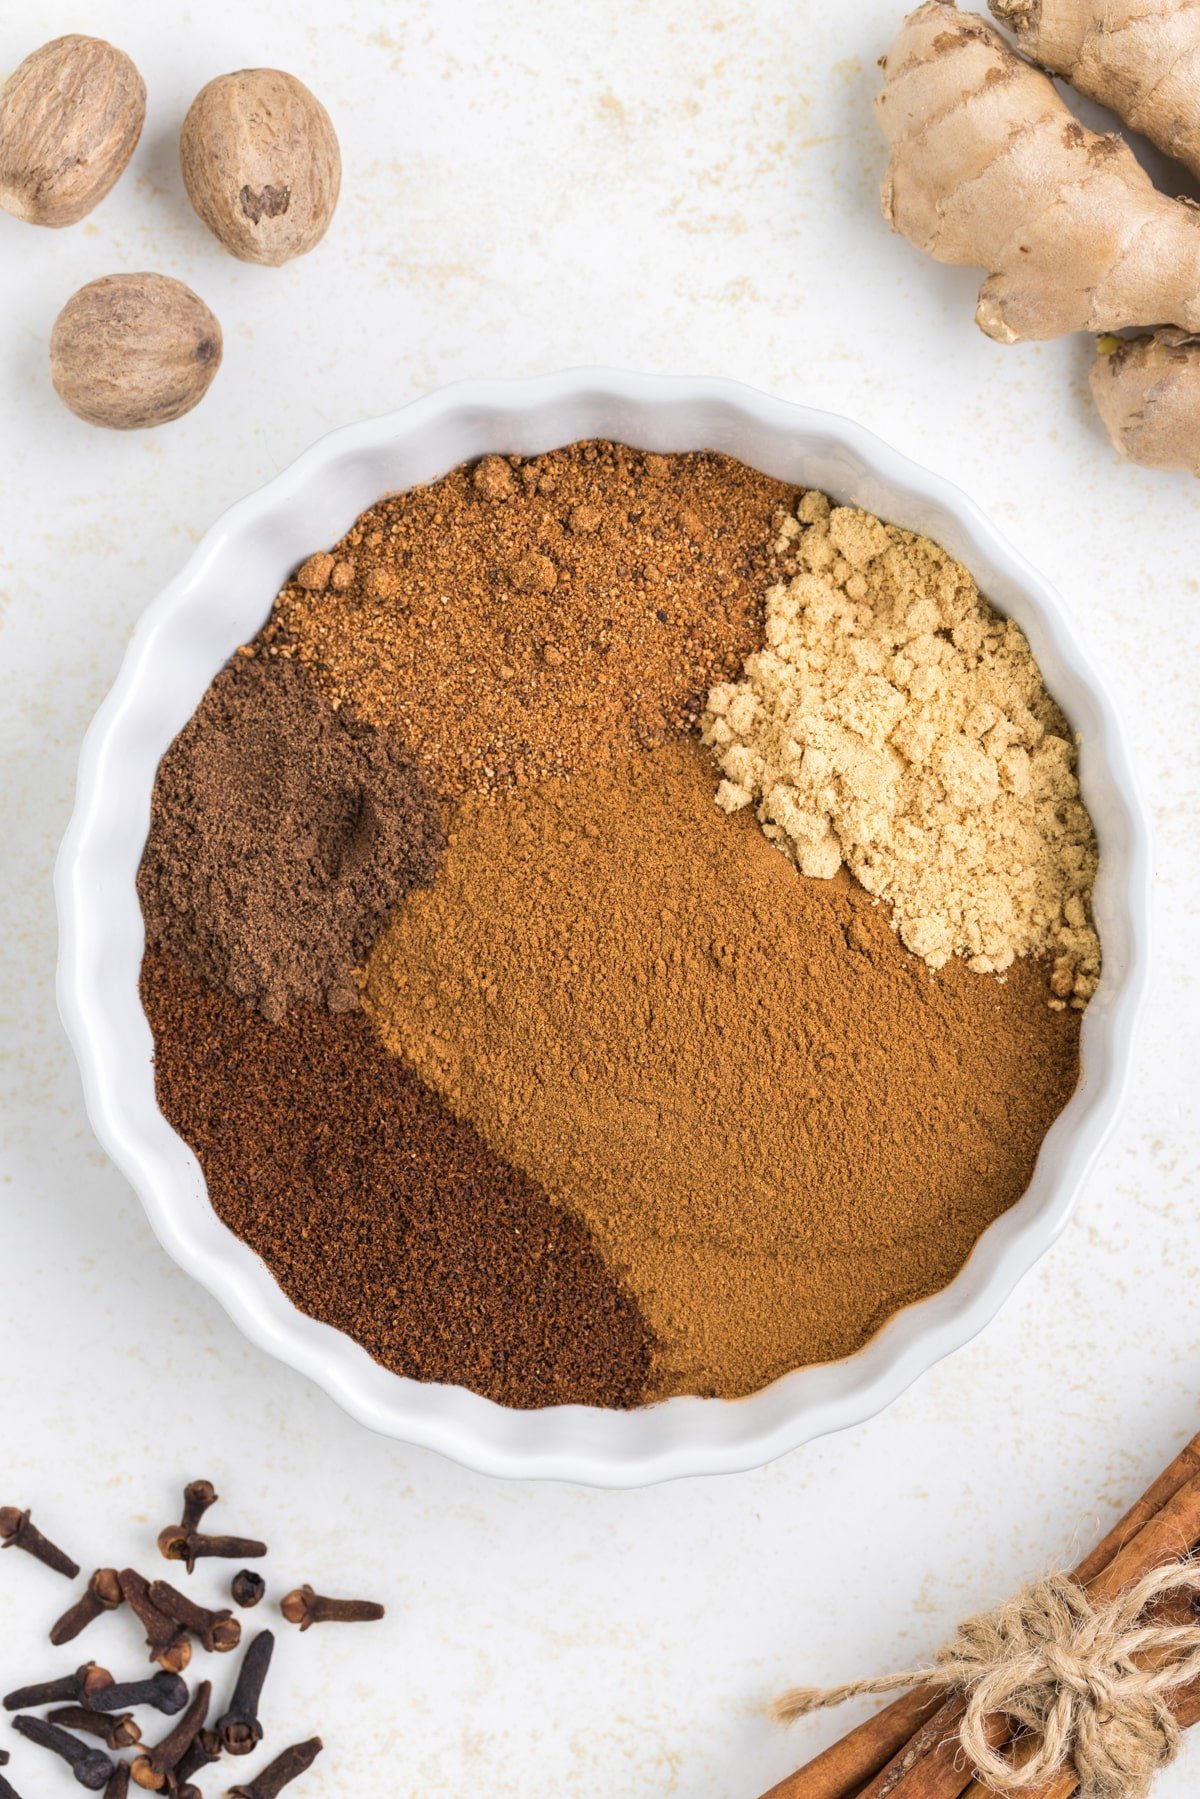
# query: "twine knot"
{"type": "Point", "coordinates": [1081, 1684]}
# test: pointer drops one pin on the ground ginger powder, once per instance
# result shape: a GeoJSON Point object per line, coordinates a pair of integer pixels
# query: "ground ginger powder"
{"type": "Point", "coordinates": [777, 1125]}
{"type": "Point", "coordinates": [896, 724]}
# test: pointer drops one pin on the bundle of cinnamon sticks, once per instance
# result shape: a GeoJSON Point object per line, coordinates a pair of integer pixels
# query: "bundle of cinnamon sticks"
{"type": "Point", "coordinates": [911, 1748]}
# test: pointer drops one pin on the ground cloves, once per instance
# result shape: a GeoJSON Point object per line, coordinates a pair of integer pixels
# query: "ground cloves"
{"type": "Point", "coordinates": [102, 1594]}
{"type": "Point", "coordinates": [167, 1641]}
{"type": "Point", "coordinates": [166, 1691]}
{"type": "Point", "coordinates": [156, 1768]}
{"type": "Point", "coordinates": [282, 1770]}
{"type": "Point", "coordinates": [80, 1688]}
{"type": "Point", "coordinates": [240, 1729]}
{"type": "Point", "coordinates": [18, 1533]}
{"type": "Point", "coordinates": [117, 1730]}
{"type": "Point", "coordinates": [304, 1607]}
{"type": "Point", "coordinates": [91, 1767]}
{"type": "Point", "coordinates": [217, 1631]}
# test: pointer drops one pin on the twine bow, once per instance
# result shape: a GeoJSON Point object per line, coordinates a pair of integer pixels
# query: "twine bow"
{"type": "Point", "coordinates": [1082, 1684]}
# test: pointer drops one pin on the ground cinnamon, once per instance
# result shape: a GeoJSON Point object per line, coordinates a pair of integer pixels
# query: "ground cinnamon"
{"type": "Point", "coordinates": [777, 1123]}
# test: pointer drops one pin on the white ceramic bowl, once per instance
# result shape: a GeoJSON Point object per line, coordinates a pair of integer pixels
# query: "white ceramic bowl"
{"type": "Point", "coordinates": [222, 597]}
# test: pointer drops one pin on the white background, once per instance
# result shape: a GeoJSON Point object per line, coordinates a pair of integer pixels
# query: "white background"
{"type": "Point", "coordinates": [684, 186]}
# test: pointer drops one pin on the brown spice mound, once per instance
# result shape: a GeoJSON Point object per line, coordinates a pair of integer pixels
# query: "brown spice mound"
{"type": "Point", "coordinates": [526, 618]}
{"type": "Point", "coordinates": [779, 1125]}
{"type": "Point", "coordinates": [379, 1213]}
{"type": "Point", "coordinates": [281, 837]}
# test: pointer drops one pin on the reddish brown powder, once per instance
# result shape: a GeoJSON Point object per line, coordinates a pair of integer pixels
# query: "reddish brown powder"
{"type": "Point", "coordinates": [529, 617]}
{"type": "Point", "coordinates": [380, 1214]}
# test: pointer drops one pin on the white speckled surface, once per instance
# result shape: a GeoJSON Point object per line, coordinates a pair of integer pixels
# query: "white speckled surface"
{"type": "Point", "coordinates": [675, 187]}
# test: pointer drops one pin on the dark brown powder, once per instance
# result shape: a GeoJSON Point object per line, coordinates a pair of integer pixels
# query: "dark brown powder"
{"type": "Point", "coordinates": [380, 1214]}
{"type": "Point", "coordinates": [525, 618]}
{"type": "Point", "coordinates": [779, 1125]}
{"type": "Point", "coordinates": [281, 837]}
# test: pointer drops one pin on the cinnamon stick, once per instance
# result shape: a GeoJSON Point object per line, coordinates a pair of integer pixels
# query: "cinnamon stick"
{"type": "Point", "coordinates": [1184, 1703]}
{"type": "Point", "coordinates": [1185, 1465]}
{"type": "Point", "coordinates": [938, 1769]}
{"type": "Point", "coordinates": [840, 1771]}
{"type": "Point", "coordinates": [881, 1755]}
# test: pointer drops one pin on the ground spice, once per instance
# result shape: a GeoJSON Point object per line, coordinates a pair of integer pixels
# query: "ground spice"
{"type": "Point", "coordinates": [779, 1125]}
{"type": "Point", "coordinates": [380, 1214]}
{"type": "Point", "coordinates": [896, 723]}
{"type": "Point", "coordinates": [527, 617]}
{"type": "Point", "coordinates": [281, 836]}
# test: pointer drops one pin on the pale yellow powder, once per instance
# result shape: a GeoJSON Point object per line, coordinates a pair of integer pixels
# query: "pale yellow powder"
{"type": "Point", "coordinates": [895, 722]}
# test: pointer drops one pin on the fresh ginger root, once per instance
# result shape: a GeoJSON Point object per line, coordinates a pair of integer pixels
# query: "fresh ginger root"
{"type": "Point", "coordinates": [1147, 390]}
{"type": "Point", "coordinates": [990, 167]}
{"type": "Point", "coordinates": [1140, 58]}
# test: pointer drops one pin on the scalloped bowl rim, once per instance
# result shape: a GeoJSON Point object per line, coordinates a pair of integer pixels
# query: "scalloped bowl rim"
{"type": "Point", "coordinates": [210, 606]}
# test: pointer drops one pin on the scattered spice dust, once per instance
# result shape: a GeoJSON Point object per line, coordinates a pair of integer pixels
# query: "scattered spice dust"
{"type": "Point", "coordinates": [379, 1213]}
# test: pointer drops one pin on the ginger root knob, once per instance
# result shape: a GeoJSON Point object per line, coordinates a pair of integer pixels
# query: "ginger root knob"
{"type": "Point", "coordinates": [1147, 391]}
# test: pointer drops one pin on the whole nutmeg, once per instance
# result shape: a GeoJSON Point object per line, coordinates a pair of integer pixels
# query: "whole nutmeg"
{"type": "Point", "coordinates": [261, 164]}
{"type": "Point", "coordinates": [70, 115]}
{"type": "Point", "coordinates": [134, 350]}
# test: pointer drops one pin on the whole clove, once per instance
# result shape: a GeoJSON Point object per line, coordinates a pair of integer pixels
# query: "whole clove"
{"type": "Point", "coordinates": [195, 1547]}
{"type": "Point", "coordinates": [198, 1495]}
{"type": "Point", "coordinates": [7, 1790]}
{"type": "Point", "coordinates": [283, 1769]}
{"type": "Point", "coordinates": [80, 1688]}
{"type": "Point", "coordinates": [118, 1782]}
{"type": "Point", "coordinates": [18, 1533]}
{"type": "Point", "coordinates": [217, 1631]}
{"type": "Point", "coordinates": [165, 1691]}
{"type": "Point", "coordinates": [166, 1640]}
{"type": "Point", "coordinates": [206, 1748]}
{"type": "Point", "coordinates": [185, 1542]}
{"type": "Point", "coordinates": [91, 1767]}
{"type": "Point", "coordinates": [305, 1608]}
{"type": "Point", "coordinates": [156, 1768]}
{"type": "Point", "coordinates": [247, 1588]}
{"type": "Point", "coordinates": [240, 1729]}
{"type": "Point", "coordinates": [102, 1594]}
{"type": "Point", "coordinates": [116, 1730]}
